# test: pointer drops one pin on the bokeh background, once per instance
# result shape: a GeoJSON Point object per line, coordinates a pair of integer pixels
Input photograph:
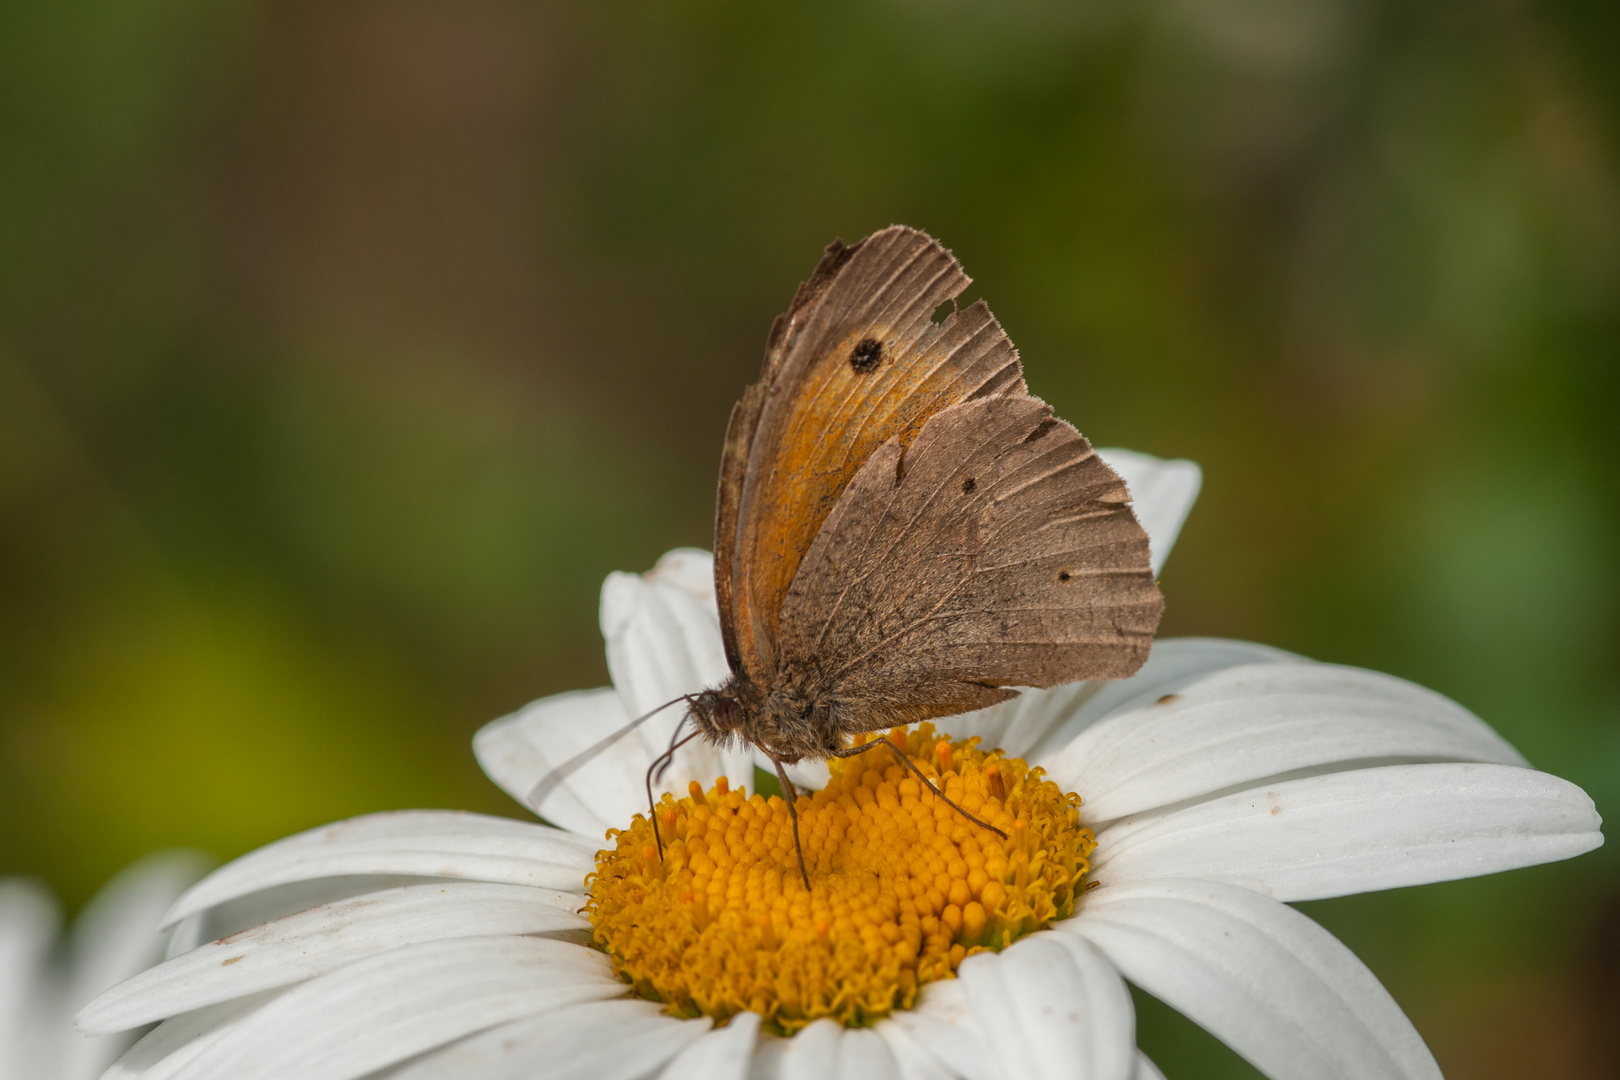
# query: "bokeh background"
{"type": "Point", "coordinates": [345, 346]}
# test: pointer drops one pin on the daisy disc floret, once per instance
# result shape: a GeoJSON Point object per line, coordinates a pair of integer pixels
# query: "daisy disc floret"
{"type": "Point", "coordinates": [902, 886]}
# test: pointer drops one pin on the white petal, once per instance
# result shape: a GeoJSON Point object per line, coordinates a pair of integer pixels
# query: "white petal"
{"type": "Point", "coordinates": [663, 642]}
{"type": "Point", "coordinates": [825, 1050]}
{"type": "Point", "coordinates": [1357, 831]}
{"type": "Point", "coordinates": [191, 932]}
{"type": "Point", "coordinates": [427, 843]}
{"type": "Point", "coordinates": [29, 921]}
{"type": "Point", "coordinates": [326, 938]}
{"type": "Point", "coordinates": [1241, 725]}
{"type": "Point", "coordinates": [864, 1055]}
{"type": "Point", "coordinates": [117, 933]}
{"type": "Point", "coordinates": [113, 938]}
{"type": "Point", "coordinates": [1162, 494]}
{"type": "Point", "coordinates": [520, 751]}
{"type": "Point", "coordinates": [1145, 1069]}
{"type": "Point", "coordinates": [277, 902]}
{"type": "Point", "coordinates": [1053, 1010]}
{"type": "Point", "coordinates": [1016, 726]}
{"type": "Point", "coordinates": [391, 1007]}
{"type": "Point", "coordinates": [1173, 663]}
{"type": "Point", "coordinates": [1040, 723]}
{"type": "Point", "coordinates": [766, 1064]}
{"type": "Point", "coordinates": [812, 1054]}
{"type": "Point", "coordinates": [692, 571]}
{"type": "Point", "coordinates": [721, 1054]}
{"type": "Point", "coordinates": [1259, 976]}
{"type": "Point", "coordinates": [28, 924]}
{"type": "Point", "coordinates": [945, 1026]}
{"type": "Point", "coordinates": [601, 1040]}
{"type": "Point", "coordinates": [689, 569]}
{"type": "Point", "coordinates": [171, 1045]}
{"type": "Point", "coordinates": [912, 1062]}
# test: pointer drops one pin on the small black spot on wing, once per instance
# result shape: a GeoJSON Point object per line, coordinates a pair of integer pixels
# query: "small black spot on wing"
{"type": "Point", "coordinates": [968, 485]}
{"type": "Point", "coordinates": [866, 356]}
{"type": "Point", "coordinates": [1041, 429]}
{"type": "Point", "coordinates": [1064, 575]}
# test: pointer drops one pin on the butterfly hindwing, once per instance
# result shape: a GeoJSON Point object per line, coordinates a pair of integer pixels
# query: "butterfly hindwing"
{"type": "Point", "coordinates": [857, 362]}
{"type": "Point", "coordinates": [997, 549]}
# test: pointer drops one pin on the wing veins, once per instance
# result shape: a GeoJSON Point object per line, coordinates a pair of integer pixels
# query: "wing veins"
{"type": "Point", "coordinates": [1046, 474]}
{"type": "Point", "coordinates": [900, 536]}
{"type": "Point", "coordinates": [914, 624]}
{"type": "Point", "coordinates": [936, 615]}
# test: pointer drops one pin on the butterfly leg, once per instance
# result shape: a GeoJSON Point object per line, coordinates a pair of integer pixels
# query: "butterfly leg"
{"type": "Point", "coordinates": [912, 765]}
{"type": "Point", "coordinates": [655, 772]}
{"type": "Point", "coordinates": [852, 751]}
{"type": "Point", "coordinates": [792, 795]}
{"type": "Point", "coordinates": [856, 751]}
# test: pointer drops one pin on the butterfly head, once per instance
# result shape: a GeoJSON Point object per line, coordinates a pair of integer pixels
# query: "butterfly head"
{"type": "Point", "coordinates": [719, 714]}
{"type": "Point", "coordinates": [790, 724]}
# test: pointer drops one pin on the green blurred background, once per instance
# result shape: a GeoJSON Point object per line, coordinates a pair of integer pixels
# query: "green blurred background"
{"type": "Point", "coordinates": [344, 347]}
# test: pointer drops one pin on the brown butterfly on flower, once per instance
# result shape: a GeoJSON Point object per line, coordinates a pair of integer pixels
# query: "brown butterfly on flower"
{"type": "Point", "coordinates": [903, 532]}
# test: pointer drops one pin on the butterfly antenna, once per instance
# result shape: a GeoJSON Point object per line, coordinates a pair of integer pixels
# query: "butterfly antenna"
{"type": "Point", "coordinates": [791, 793]}
{"type": "Point", "coordinates": [554, 779]}
{"type": "Point", "coordinates": [655, 772]}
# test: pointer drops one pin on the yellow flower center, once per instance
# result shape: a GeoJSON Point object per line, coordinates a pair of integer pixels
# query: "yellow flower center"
{"type": "Point", "coordinates": [902, 886]}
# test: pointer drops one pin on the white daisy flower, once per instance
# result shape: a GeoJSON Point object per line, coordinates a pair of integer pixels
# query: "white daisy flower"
{"type": "Point", "coordinates": [44, 980]}
{"type": "Point", "coordinates": [1222, 781]}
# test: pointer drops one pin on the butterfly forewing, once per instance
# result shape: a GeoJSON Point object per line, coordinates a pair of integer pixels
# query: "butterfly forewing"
{"type": "Point", "coordinates": [996, 550]}
{"type": "Point", "coordinates": [733, 463]}
{"type": "Point", "coordinates": [857, 362]}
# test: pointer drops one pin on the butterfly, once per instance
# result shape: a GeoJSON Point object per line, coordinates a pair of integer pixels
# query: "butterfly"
{"type": "Point", "coordinates": [902, 531]}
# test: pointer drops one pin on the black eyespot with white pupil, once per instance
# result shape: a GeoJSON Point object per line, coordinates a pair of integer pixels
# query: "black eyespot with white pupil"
{"type": "Point", "coordinates": [866, 356]}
